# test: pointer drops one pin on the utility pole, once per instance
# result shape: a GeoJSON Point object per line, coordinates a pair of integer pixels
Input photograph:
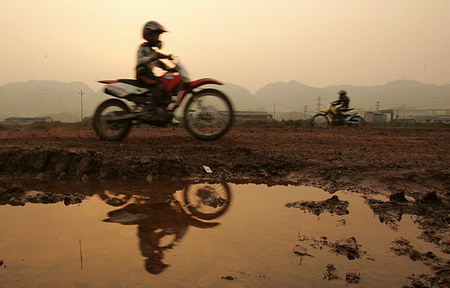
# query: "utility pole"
{"type": "Point", "coordinates": [304, 117]}
{"type": "Point", "coordinates": [378, 105]}
{"type": "Point", "coordinates": [274, 110]}
{"type": "Point", "coordinates": [318, 102]}
{"type": "Point", "coordinates": [81, 94]}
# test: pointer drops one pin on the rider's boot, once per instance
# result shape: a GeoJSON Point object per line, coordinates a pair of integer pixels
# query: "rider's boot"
{"type": "Point", "coordinates": [154, 111]}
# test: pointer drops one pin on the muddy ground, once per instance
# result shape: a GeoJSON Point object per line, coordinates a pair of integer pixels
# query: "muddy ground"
{"type": "Point", "coordinates": [410, 165]}
{"type": "Point", "coordinates": [387, 160]}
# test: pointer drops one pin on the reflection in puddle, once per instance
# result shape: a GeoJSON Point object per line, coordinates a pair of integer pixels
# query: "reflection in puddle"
{"type": "Point", "coordinates": [172, 218]}
{"type": "Point", "coordinates": [197, 236]}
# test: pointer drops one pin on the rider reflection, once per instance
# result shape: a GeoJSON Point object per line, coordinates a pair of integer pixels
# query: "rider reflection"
{"type": "Point", "coordinates": [162, 225]}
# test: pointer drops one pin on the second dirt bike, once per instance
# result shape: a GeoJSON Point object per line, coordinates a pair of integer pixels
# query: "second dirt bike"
{"type": "Point", "coordinates": [207, 114]}
{"type": "Point", "coordinates": [326, 118]}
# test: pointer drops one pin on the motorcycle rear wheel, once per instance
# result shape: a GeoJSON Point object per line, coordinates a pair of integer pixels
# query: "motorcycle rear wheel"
{"type": "Point", "coordinates": [320, 121]}
{"type": "Point", "coordinates": [208, 114]}
{"type": "Point", "coordinates": [111, 130]}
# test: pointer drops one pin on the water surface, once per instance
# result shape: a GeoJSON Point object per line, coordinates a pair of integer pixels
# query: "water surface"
{"type": "Point", "coordinates": [53, 245]}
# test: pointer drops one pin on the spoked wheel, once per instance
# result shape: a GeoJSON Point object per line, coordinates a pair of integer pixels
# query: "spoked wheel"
{"type": "Point", "coordinates": [207, 201]}
{"type": "Point", "coordinates": [356, 121]}
{"type": "Point", "coordinates": [107, 122]}
{"type": "Point", "coordinates": [208, 114]}
{"type": "Point", "coordinates": [320, 121]}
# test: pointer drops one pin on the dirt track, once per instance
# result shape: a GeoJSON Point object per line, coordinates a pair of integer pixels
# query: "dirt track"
{"type": "Point", "coordinates": [387, 160]}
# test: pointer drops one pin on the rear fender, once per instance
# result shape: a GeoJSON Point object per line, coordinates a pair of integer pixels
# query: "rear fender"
{"type": "Point", "coordinates": [203, 81]}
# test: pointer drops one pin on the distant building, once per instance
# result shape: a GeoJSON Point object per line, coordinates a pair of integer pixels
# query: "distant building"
{"type": "Point", "coordinates": [375, 117]}
{"type": "Point", "coordinates": [87, 119]}
{"type": "Point", "coordinates": [26, 120]}
{"type": "Point", "coordinates": [252, 116]}
{"type": "Point", "coordinates": [432, 119]}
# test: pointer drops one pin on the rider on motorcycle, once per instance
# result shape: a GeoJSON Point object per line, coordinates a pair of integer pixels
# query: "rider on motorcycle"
{"type": "Point", "coordinates": [341, 105]}
{"type": "Point", "coordinates": [148, 58]}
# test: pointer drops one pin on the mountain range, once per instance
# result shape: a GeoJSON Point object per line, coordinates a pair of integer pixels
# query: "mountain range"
{"type": "Point", "coordinates": [62, 101]}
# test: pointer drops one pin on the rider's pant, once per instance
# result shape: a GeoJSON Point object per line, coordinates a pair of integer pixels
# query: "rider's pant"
{"type": "Point", "coordinates": [153, 83]}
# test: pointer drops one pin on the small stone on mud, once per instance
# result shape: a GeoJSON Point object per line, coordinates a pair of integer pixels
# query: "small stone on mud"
{"type": "Point", "coordinates": [73, 199]}
{"type": "Point", "coordinates": [62, 176]}
{"type": "Point", "coordinates": [398, 197]}
{"type": "Point", "coordinates": [302, 251]}
{"type": "Point", "coordinates": [401, 246]}
{"type": "Point", "coordinates": [34, 196]}
{"type": "Point", "coordinates": [228, 277]}
{"type": "Point", "coordinates": [432, 197]}
{"type": "Point", "coordinates": [115, 201]}
{"type": "Point", "coordinates": [16, 189]}
{"type": "Point", "coordinates": [145, 160]}
{"type": "Point", "coordinates": [85, 178]}
{"type": "Point", "coordinates": [330, 273]}
{"type": "Point", "coordinates": [149, 178]}
{"type": "Point", "coordinates": [40, 176]}
{"type": "Point", "coordinates": [352, 278]}
{"type": "Point", "coordinates": [348, 247]}
{"type": "Point", "coordinates": [341, 222]}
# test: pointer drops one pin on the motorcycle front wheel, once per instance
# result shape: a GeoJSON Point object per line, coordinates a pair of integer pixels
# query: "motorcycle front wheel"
{"type": "Point", "coordinates": [207, 201]}
{"type": "Point", "coordinates": [107, 123]}
{"type": "Point", "coordinates": [208, 114]}
{"type": "Point", "coordinates": [356, 121]}
{"type": "Point", "coordinates": [320, 121]}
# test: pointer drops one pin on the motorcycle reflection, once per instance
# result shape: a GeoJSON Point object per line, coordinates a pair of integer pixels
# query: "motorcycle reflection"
{"type": "Point", "coordinates": [161, 225]}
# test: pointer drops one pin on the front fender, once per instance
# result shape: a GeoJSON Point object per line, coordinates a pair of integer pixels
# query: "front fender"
{"type": "Point", "coordinates": [203, 81]}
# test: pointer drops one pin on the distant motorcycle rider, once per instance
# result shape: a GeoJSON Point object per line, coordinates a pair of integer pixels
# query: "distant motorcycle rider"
{"type": "Point", "coordinates": [341, 105]}
{"type": "Point", "coordinates": [149, 58]}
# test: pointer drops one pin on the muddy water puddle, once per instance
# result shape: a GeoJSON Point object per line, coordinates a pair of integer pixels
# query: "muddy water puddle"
{"type": "Point", "coordinates": [244, 236]}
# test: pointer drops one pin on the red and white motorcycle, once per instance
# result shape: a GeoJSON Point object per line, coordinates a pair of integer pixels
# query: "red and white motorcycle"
{"type": "Point", "coordinates": [207, 114]}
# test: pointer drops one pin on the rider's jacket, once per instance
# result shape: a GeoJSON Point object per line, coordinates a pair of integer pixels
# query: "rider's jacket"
{"type": "Point", "coordinates": [343, 102]}
{"type": "Point", "coordinates": [148, 58]}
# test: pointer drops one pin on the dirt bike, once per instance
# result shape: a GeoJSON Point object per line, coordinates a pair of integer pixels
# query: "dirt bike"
{"type": "Point", "coordinates": [207, 115]}
{"type": "Point", "coordinates": [325, 118]}
{"type": "Point", "coordinates": [202, 201]}
{"type": "Point", "coordinates": [162, 225]}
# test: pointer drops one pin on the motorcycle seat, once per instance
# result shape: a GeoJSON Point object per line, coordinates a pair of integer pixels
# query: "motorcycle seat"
{"type": "Point", "coordinates": [133, 82]}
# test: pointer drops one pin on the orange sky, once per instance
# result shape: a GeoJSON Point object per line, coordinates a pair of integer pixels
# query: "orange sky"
{"type": "Point", "coordinates": [245, 42]}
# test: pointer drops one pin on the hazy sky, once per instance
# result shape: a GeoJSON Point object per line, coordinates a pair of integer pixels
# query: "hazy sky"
{"type": "Point", "coordinates": [245, 42]}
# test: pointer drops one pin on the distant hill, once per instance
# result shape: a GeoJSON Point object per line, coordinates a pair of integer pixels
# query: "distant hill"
{"type": "Point", "coordinates": [62, 101]}
{"type": "Point", "coordinates": [43, 98]}
{"type": "Point", "coordinates": [241, 97]}
{"type": "Point", "coordinates": [293, 96]}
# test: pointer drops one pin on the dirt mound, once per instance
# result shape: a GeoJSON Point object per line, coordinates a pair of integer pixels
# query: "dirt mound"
{"type": "Point", "coordinates": [333, 205]}
{"type": "Point", "coordinates": [17, 195]}
{"type": "Point", "coordinates": [430, 211]}
{"type": "Point", "coordinates": [441, 268]}
{"type": "Point", "coordinates": [347, 247]}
